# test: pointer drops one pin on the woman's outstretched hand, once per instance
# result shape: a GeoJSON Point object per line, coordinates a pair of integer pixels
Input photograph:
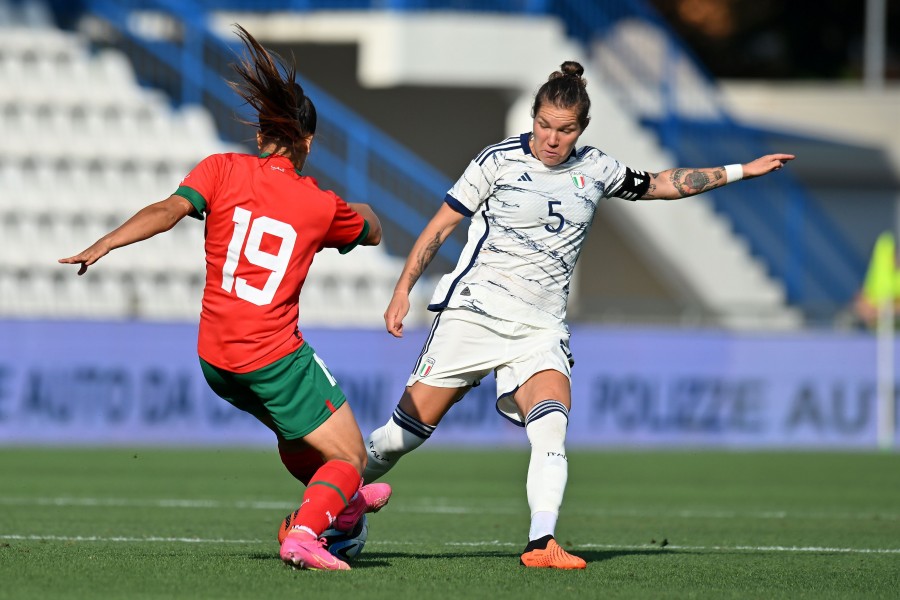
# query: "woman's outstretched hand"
{"type": "Point", "coordinates": [766, 164]}
{"type": "Point", "coordinates": [87, 257]}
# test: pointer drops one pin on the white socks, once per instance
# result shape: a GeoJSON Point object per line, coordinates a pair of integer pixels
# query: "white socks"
{"type": "Point", "coordinates": [548, 469]}
{"type": "Point", "coordinates": [400, 435]}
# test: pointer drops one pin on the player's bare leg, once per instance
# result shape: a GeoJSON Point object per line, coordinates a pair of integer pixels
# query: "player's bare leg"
{"type": "Point", "coordinates": [340, 444]}
{"type": "Point", "coordinates": [302, 461]}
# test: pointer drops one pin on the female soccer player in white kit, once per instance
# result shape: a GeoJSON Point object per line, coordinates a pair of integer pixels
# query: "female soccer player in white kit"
{"type": "Point", "coordinates": [531, 200]}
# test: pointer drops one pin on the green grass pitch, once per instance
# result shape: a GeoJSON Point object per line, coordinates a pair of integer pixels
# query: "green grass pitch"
{"type": "Point", "coordinates": [152, 523]}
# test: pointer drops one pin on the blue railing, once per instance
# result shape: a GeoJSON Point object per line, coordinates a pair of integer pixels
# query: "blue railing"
{"type": "Point", "coordinates": [351, 156]}
{"type": "Point", "coordinates": [783, 224]}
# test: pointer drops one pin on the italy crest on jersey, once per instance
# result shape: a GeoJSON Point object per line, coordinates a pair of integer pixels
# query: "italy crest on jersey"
{"type": "Point", "coordinates": [578, 179]}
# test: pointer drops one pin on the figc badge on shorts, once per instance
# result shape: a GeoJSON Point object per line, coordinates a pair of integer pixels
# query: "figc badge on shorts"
{"type": "Point", "coordinates": [425, 369]}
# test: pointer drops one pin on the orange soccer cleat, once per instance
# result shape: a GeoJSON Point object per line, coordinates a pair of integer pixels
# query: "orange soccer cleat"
{"type": "Point", "coordinates": [551, 556]}
{"type": "Point", "coordinates": [286, 525]}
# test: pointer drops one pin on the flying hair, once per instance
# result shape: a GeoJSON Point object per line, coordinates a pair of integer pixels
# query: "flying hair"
{"type": "Point", "coordinates": [565, 89]}
{"type": "Point", "coordinates": [285, 115]}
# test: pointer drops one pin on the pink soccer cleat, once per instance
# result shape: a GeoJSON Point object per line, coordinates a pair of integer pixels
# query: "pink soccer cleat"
{"type": "Point", "coordinates": [369, 498]}
{"type": "Point", "coordinates": [302, 550]}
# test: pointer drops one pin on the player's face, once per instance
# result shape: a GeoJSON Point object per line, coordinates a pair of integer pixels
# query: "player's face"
{"type": "Point", "coordinates": [555, 132]}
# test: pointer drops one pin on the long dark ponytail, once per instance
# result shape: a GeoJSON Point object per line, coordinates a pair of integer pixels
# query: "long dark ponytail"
{"type": "Point", "coordinates": [286, 117]}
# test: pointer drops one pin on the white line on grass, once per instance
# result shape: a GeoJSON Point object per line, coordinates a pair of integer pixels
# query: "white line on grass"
{"type": "Point", "coordinates": [446, 506]}
{"type": "Point", "coordinates": [95, 538]}
{"type": "Point", "coordinates": [133, 503]}
{"type": "Point", "coordinates": [481, 544]}
{"type": "Point", "coordinates": [734, 514]}
{"type": "Point", "coordinates": [669, 547]}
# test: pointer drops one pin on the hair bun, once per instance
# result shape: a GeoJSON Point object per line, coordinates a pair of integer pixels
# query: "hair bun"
{"type": "Point", "coordinates": [565, 89]}
{"type": "Point", "coordinates": [572, 68]}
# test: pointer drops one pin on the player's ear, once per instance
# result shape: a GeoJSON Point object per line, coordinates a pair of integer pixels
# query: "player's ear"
{"type": "Point", "coordinates": [306, 143]}
{"type": "Point", "coordinates": [259, 140]}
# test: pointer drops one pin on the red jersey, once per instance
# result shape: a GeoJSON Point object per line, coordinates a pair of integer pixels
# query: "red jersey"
{"type": "Point", "coordinates": [264, 223]}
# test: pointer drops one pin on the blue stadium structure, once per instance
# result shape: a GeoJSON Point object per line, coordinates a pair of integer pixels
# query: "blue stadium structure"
{"type": "Point", "coordinates": [134, 93]}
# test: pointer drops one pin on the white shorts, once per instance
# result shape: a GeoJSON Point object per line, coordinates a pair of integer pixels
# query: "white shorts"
{"type": "Point", "coordinates": [464, 346]}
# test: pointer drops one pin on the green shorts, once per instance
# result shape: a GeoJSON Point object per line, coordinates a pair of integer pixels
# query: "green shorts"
{"type": "Point", "coordinates": [296, 393]}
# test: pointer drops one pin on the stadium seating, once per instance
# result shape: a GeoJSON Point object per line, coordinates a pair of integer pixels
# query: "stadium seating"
{"type": "Point", "coordinates": [83, 147]}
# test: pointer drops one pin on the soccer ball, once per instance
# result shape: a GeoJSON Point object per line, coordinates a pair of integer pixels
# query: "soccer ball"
{"type": "Point", "coordinates": [345, 545]}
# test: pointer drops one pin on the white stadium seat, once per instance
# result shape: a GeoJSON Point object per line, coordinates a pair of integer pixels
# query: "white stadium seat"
{"type": "Point", "coordinates": [83, 147]}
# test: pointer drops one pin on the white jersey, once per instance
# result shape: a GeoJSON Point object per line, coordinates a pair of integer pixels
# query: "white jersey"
{"type": "Point", "coordinates": [529, 223]}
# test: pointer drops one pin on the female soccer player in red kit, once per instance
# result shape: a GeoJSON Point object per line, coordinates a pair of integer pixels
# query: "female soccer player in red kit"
{"type": "Point", "coordinates": [264, 223]}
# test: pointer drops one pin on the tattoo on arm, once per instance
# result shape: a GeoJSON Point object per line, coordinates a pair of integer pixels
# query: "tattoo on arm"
{"type": "Point", "coordinates": [690, 182]}
{"type": "Point", "coordinates": [651, 190]}
{"type": "Point", "coordinates": [423, 259]}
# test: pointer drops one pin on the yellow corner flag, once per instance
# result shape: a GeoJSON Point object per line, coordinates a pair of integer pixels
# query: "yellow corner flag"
{"type": "Point", "coordinates": [880, 290]}
{"type": "Point", "coordinates": [879, 285]}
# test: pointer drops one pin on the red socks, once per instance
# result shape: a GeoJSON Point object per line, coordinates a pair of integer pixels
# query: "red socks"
{"type": "Point", "coordinates": [328, 493]}
{"type": "Point", "coordinates": [303, 464]}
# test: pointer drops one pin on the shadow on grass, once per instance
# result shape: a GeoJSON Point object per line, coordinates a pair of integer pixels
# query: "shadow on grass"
{"type": "Point", "coordinates": [595, 556]}
{"type": "Point", "coordinates": [384, 559]}
{"type": "Point", "coordinates": [370, 559]}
